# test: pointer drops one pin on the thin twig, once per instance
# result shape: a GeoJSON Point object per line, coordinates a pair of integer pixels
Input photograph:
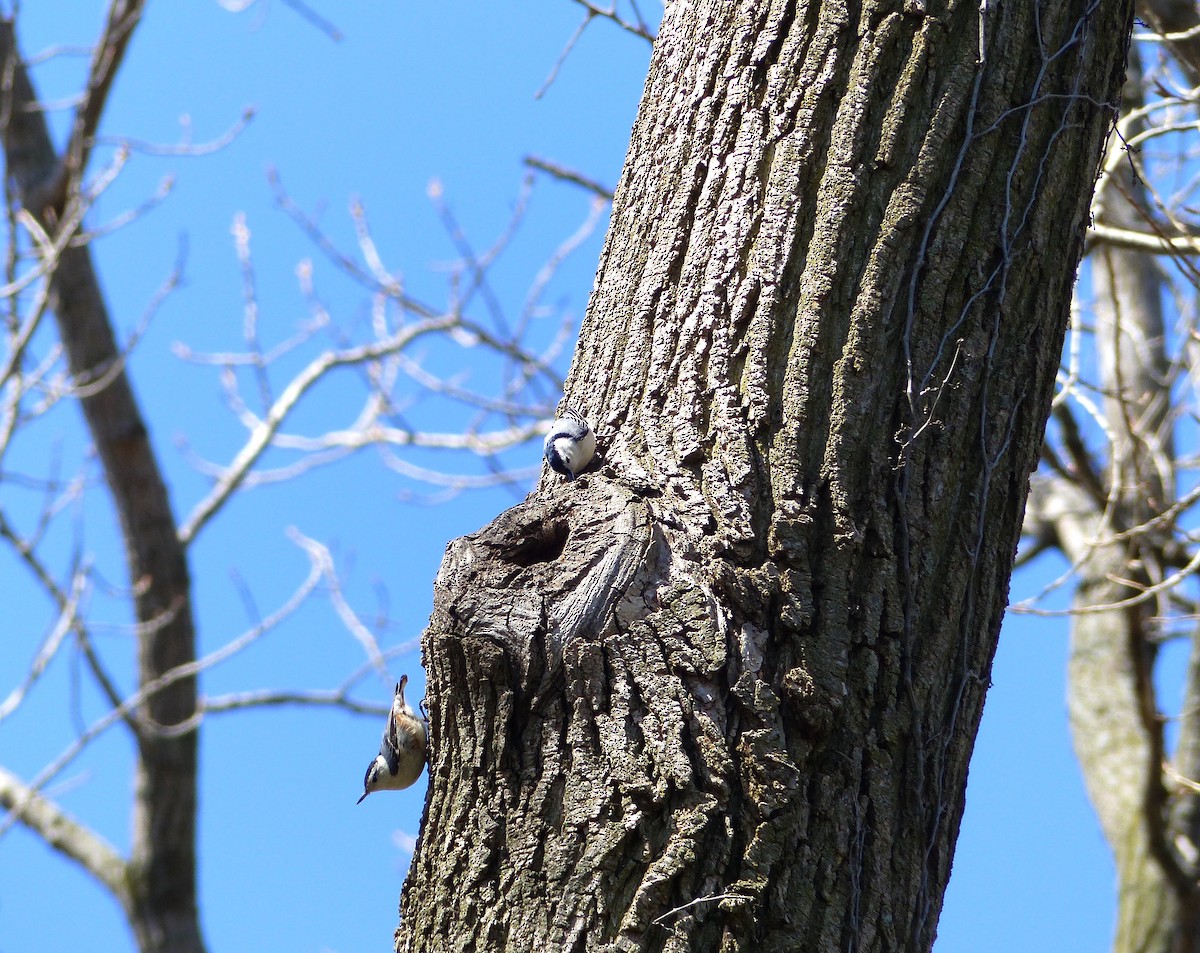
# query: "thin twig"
{"type": "Point", "coordinates": [566, 174]}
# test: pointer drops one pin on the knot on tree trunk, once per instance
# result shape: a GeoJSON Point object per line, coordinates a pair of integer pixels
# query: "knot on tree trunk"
{"type": "Point", "coordinates": [602, 722]}
{"type": "Point", "coordinates": [580, 721]}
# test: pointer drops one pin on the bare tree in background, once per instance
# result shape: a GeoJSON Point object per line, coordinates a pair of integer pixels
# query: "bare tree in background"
{"type": "Point", "coordinates": [49, 270]}
{"type": "Point", "coordinates": [1115, 496]}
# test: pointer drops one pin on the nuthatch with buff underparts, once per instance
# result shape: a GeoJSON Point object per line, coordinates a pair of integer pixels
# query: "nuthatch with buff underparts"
{"type": "Point", "coordinates": [570, 444]}
{"type": "Point", "coordinates": [402, 752]}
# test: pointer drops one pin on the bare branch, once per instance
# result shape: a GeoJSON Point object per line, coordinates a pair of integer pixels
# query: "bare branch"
{"type": "Point", "coordinates": [66, 621]}
{"type": "Point", "coordinates": [454, 483]}
{"type": "Point", "coordinates": [67, 836]}
{"type": "Point", "coordinates": [337, 698]}
{"type": "Point", "coordinates": [387, 285]}
{"type": "Point", "coordinates": [484, 445]}
{"type": "Point", "coordinates": [640, 29]}
{"type": "Point", "coordinates": [186, 147]}
{"type": "Point", "coordinates": [1179, 26]}
{"type": "Point", "coordinates": [566, 51]}
{"type": "Point", "coordinates": [476, 265]}
{"type": "Point", "coordinates": [566, 174]}
{"type": "Point", "coordinates": [1143, 241]}
{"type": "Point", "coordinates": [123, 17]}
{"type": "Point", "coordinates": [147, 691]}
{"type": "Point", "coordinates": [260, 439]}
{"type": "Point", "coordinates": [321, 558]}
{"type": "Point", "coordinates": [267, 698]}
{"type": "Point", "coordinates": [305, 11]}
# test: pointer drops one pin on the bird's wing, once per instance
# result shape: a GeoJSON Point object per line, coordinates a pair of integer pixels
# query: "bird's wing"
{"type": "Point", "coordinates": [390, 732]}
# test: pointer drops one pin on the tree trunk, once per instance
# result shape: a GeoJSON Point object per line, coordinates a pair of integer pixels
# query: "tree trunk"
{"type": "Point", "coordinates": [720, 693]}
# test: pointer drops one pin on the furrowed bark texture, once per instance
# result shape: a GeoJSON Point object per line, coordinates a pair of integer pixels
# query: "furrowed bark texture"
{"type": "Point", "coordinates": [161, 871]}
{"type": "Point", "coordinates": [720, 692]}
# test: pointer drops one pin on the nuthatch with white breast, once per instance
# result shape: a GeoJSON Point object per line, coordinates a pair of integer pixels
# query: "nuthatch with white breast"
{"type": "Point", "coordinates": [570, 444]}
{"type": "Point", "coordinates": [402, 752]}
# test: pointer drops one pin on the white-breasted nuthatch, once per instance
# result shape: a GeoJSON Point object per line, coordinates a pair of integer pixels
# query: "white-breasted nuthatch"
{"type": "Point", "coordinates": [402, 752]}
{"type": "Point", "coordinates": [570, 444]}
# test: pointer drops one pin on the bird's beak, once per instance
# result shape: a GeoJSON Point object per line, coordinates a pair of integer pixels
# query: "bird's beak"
{"type": "Point", "coordinates": [360, 800]}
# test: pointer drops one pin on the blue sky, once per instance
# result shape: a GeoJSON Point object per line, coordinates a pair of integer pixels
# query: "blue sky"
{"type": "Point", "coordinates": [413, 93]}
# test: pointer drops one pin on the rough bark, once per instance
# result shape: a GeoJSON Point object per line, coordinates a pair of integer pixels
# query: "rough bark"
{"type": "Point", "coordinates": [720, 693]}
{"type": "Point", "coordinates": [160, 875]}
